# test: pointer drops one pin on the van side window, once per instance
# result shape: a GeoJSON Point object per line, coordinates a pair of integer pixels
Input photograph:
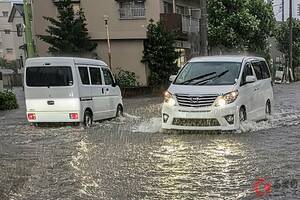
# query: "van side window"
{"type": "Point", "coordinates": [247, 72]}
{"type": "Point", "coordinates": [95, 76]}
{"type": "Point", "coordinates": [107, 76]}
{"type": "Point", "coordinates": [265, 70]}
{"type": "Point", "coordinates": [258, 71]}
{"type": "Point", "coordinates": [84, 75]}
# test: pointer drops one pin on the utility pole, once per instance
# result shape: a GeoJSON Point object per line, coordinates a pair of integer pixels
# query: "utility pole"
{"type": "Point", "coordinates": [108, 40]}
{"type": "Point", "coordinates": [282, 10]}
{"type": "Point", "coordinates": [203, 28]}
{"type": "Point", "coordinates": [28, 32]}
{"type": "Point", "coordinates": [290, 39]}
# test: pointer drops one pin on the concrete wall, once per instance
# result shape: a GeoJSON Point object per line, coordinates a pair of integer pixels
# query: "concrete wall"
{"type": "Point", "coordinates": [126, 54]}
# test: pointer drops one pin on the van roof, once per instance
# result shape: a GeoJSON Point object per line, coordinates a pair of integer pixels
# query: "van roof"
{"type": "Point", "coordinates": [223, 58]}
{"type": "Point", "coordinates": [42, 60]}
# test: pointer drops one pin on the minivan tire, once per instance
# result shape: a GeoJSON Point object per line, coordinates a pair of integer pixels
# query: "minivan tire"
{"type": "Point", "coordinates": [268, 108]}
{"type": "Point", "coordinates": [242, 114]}
{"type": "Point", "coordinates": [119, 112]}
{"type": "Point", "coordinates": [88, 119]}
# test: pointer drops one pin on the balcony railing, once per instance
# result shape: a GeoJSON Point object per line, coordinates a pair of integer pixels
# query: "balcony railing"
{"type": "Point", "coordinates": [132, 13]}
{"type": "Point", "coordinates": [180, 24]}
{"type": "Point", "coordinates": [190, 25]}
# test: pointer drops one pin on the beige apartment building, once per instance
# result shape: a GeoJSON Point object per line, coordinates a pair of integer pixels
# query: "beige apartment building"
{"type": "Point", "coordinates": [128, 20]}
{"type": "Point", "coordinates": [8, 43]}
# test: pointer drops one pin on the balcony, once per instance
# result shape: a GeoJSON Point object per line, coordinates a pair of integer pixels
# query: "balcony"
{"type": "Point", "coordinates": [182, 25]}
{"type": "Point", "coordinates": [132, 13]}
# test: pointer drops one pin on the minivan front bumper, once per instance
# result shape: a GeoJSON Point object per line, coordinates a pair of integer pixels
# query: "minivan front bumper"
{"type": "Point", "coordinates": [207, 118]}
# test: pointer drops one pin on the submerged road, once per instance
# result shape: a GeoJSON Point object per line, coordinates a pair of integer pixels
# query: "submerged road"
{"type": "Point", "coordinates": [129, 158]}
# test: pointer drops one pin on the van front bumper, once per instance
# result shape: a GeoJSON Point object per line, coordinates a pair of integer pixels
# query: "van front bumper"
{"type": "Point", "coordinates": [208, 118]}
{"type": "Point", "coordinates": [53, 117]}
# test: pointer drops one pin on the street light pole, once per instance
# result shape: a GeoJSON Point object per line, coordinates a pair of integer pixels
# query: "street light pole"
{"type": "Point", "coordinates": [108, 39]}
{"type": "Point", "coordinates": [174, 6]}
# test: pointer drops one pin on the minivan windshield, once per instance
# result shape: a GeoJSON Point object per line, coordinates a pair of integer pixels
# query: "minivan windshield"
{"type": "Point", "coordinates": [49, 76]}
{"type": "Point", "coordinates": [209, 73]}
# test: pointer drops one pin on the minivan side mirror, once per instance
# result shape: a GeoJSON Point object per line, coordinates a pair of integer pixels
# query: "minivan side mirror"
{"type": "Point", "coordinates": [172, 78]}
{"type": "Point", "coordinates": [250, 79]}
{"type": "Point", "coordinates": [114, 84]}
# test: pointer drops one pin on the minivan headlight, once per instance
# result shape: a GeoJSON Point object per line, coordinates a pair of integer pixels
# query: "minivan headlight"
{"type": "Point", "coordinates": [169, 99]}
{"type": "Point", "coordinates": [226, 99]}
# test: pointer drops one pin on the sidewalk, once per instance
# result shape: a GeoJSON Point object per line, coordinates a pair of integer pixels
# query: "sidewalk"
{"type": "Point", "coordinates": [17, 116]}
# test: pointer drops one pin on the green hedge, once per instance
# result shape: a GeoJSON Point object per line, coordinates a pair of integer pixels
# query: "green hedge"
{"type": "Point", "coordinates": [8, 100]}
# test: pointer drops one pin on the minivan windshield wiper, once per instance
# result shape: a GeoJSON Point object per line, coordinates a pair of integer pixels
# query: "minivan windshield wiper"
{"type": "Point", "coordinates": [202, 82]}
{"type": "Point", "coordinates": [198, 77]}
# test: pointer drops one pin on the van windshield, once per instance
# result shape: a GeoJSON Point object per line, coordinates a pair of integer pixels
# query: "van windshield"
{"type": "Point", "coordinates": [209, 73]}
{"type": "Point", "coordinates": [49, 76]}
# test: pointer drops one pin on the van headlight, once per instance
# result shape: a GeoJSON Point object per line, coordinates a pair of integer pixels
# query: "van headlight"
{"type": "Point", "coordinates": [228, 98]}
{"type": "Point", "coordinates": [169, 99]}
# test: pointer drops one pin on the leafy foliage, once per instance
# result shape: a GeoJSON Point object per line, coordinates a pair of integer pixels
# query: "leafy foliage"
{"type": "Point", "coordinates": [68, 33]}
{"type": "Point", "coordinates": [160, 54]}
{"type": "Point", "coordinates": [126, 78]}
{"type": "Point", "coordinates": [8, 100]}
{"type": "Point", "coordinates": [282, 35]}
{"type": "Point", "coordinates": [9, 65]}
{"type": "Point", "coordinates": [240, 24]}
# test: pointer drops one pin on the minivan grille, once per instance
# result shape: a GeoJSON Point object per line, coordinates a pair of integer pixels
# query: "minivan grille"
{"type": "Point", "coordinates": [196, 100]}
{"type": "Point", "coordinates": [195, 122]}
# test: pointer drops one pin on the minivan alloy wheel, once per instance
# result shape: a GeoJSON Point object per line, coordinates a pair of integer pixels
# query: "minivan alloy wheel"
{"type": "Point", "coordinates": [242, 114]}
{"type": "Point", "coordinates": [268, 108]}
{"type": "Point", "coordinates": [119, 111]}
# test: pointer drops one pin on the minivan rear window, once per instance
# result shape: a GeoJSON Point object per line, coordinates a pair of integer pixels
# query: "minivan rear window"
{"type": "Point", "coordinates": [49, 76]}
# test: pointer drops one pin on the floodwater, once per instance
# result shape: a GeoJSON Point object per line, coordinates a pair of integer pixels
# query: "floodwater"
{"type": "Point", "coordinates": [130, 158]}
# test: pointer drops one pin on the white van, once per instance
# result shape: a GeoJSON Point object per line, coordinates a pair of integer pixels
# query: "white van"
{"type": "Point", "coordinates": [217, 93]}
{"type": "Point", "coordinates": [60, 89]}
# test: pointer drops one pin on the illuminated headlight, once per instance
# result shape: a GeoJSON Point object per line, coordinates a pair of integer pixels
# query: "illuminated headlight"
{"type": "Point", "coordinates": [169, 100]}
{"type": "Point", "coordinates": [228, 98]}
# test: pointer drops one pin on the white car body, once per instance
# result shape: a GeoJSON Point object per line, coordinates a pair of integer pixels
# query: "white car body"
{"type": "Point", "coordinates": [194, 106]}
{"type": "Point", "coordinates": [68, 103]}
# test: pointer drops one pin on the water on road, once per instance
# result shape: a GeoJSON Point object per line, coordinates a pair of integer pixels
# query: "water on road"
{"type": "Point", "coordinates": [130, 158]}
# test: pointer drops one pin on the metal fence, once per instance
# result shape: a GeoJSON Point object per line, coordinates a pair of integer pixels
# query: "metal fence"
{"type": "Point", "coordinates": [190, 24]}
{"type": "Point", "coordinates": [132, 13]}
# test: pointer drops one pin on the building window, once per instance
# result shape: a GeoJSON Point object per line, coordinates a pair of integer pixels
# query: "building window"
{"type": "Point", "coordinates": [9, 51]}
{"type": "Point", "coordinates": [7, 31]}
{"type": "Point", "coordinates": [132, 9]}
{"type": "Point", "coordinates": [180, 10]}
{"type": "Point", "coordinates": [5, 13]}
{"type": "Point", "coordinates": [168, 8]}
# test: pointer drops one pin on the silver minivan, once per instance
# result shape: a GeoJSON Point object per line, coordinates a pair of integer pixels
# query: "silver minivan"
{"type": "Point", "coordinates": [63, 89]}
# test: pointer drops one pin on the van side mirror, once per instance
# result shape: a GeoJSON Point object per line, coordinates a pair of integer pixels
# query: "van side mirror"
{"type": "Point", "coordinates": [172, 78]}
{"type": "Point", "coordinates": [251, 79]}
{"type": "Point", "coordinates": [114, 84]}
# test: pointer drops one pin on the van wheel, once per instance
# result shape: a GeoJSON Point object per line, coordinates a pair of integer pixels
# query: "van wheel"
{"type": "Point", "coordinates": [119, 111]}
{"type": "Point", "coordinates": [88, 119]}
{"type": "Point", "coordinates": [242, 114]}
{"type": "Point", "coordinates": [268, 108]}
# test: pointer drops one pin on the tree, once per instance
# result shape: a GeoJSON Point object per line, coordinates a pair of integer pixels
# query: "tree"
{"type": "Point", "coordinates": [282, 35]}
{"type": "Point", "coordinates": [160, 54]}
{"type": "Point", "coordinates": [68, 33]}
{"type": "Point", "coordinates": [240, 25]}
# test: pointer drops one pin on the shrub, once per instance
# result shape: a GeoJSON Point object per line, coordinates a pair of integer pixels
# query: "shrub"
{"type": "Point", "coordinates": [8, 100]}
{"type": "Point", "coordinates": [126, 78]}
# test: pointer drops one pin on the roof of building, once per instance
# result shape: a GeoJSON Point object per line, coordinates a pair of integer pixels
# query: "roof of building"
{"type": "Point", "coordinates": [223, 58]}
{"type": "Point", "coordinates": [17, 7]}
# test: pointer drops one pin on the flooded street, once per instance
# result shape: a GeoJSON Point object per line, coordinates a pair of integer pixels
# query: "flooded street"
{"type": "Point", "coordinates": [130, 158]}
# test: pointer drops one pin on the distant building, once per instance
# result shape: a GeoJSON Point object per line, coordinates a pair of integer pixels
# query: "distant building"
{"type": "Point", "coordinates": [8, 47]}
{"type": "Point", "coordinates": [128, 20]}
{"type": "Point", "coordinates": [282, 9]}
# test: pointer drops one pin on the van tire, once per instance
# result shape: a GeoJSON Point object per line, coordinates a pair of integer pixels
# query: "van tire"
{"type": "Point", "coordinates": [268, 108]}
{"type": "Point", "coordinates": [242, 114]}
{"type": "Point", "coordinates": [119, 112]}
{"type": "Point", "coordinates": [88, 119]}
